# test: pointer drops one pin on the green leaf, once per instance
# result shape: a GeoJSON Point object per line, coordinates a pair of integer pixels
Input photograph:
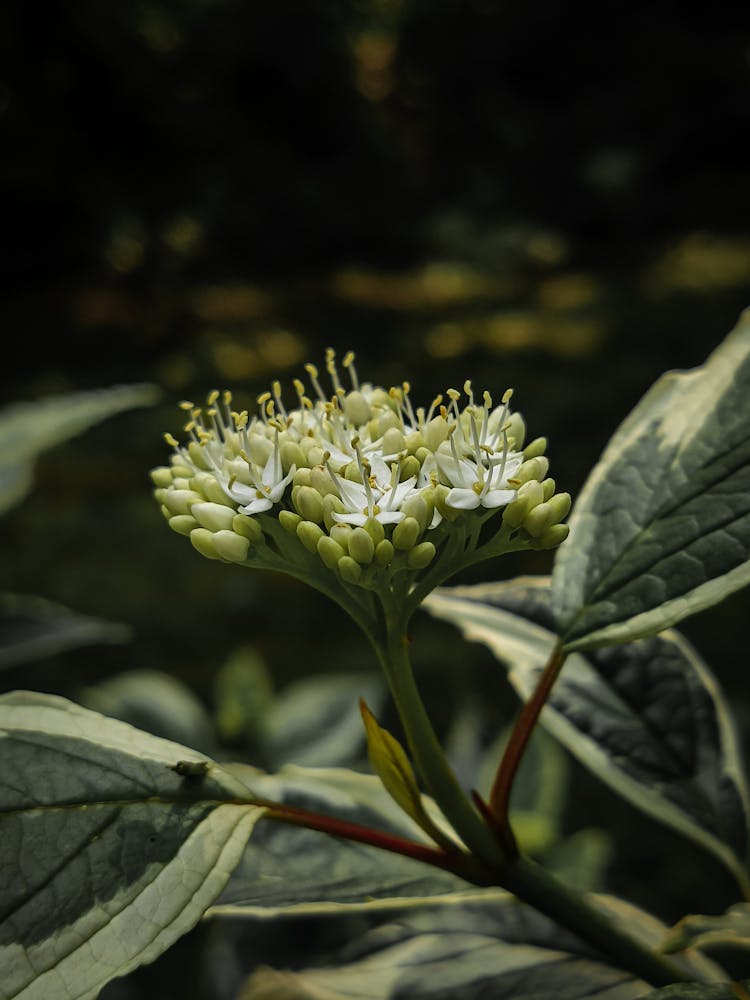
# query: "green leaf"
{"type": "Point", "coordinates": [112, 844]}
{"type": "Point", "coordinates": [647, 718]}
{"type": "Point", "coordinates": [32, 628]}
{"type": "Point", "coordinates": [661, 529]}
{"type": "Point", "coordinates": [290, 871]}
{"type": "Point", "coordinates": [29, 428]}
{"type": "Point", "coordinates": [495, 948]}
{"type": "Point", "coordinates": [727, 930]}
{"type": "Point", "coordinates": [316, 721]}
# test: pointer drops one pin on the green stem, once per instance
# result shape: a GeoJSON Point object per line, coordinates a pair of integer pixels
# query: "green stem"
{"type": "Point", "coordinates": [425, 747]}
{"type": "Point", "coordinates": [567, 907]}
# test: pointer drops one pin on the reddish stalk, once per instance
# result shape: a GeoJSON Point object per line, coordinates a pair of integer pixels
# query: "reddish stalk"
{"type": "Point", "coordinates": [519, 739]}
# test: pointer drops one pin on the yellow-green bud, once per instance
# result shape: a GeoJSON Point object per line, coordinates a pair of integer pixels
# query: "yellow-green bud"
{"type": "Point", "coordinates": [289, 521]}
{"type": "Point", "coordinates": [516, 431]}
{"type": "Point", "coordinates": [422, 454]}
{"type": "Point", "coordinates": [230, 546]}
{"type": "Point", "coordinates": [248, 527]}
{"type": "Point", "coordinates": [559, 504]}
{"type": "Point", "coordinates": [341, 533]}
{"type": "Point", "coordinates": [421, 555]}
{"type": "Point", "coordinates": [315, 456]}
{"type": "Point", "coordinates": [435, 433]}
{"type": "Point", "coordinates": [414, 442]}
{"type": "Point", "coordinates": [409, 467]}
{"type": "Point", "coordinates": [361, 546]}
{"type": "Point", "coordinates": [161, 476]}
{"type": "Point", "coordinates": [548, 488]}
{"type": "Point", "coordinates": [202, 540]}
{"type": "Point", "coordinates": [406, 534]}
{"type": "Point", "coordinates": [535, 448]}
{"type": "Point", "coordinates": [309, 503]}
{"type": "Point", "coordinates": [384, 552]}
{"type": "Point", "coordinates": [331, 505]}
{"type": "Point", "coordinates": [350, 570]}
{"type": "Point", "coordinates": [387, 420]}
{"type": "Point", "coordinates": [418, 508]}
{"type": "Point", "coordinates": [515, 512]}
{"type": "Point", "coordinates": [180, 483]}
{"type": "Point", "coordinates": [206, 484]}
{"type": "Point", "coordinates": [183, 524]}
{"type": "Point", "coordinates": [160, 494]}
{"type": "Point", "coordinates": [260, 449]}
{"type": "Point", "coordinates": [182, 470]}
{"type": "Point", "coordinates": [393, 441]}
{"type": "Point", "coordinates": [538, 520]}
{"type": "Point", "coordinates": [301, 478]}
{"type": "Point", "coordinates": [356, 408]}
{"type": "Point", "coordinates": [534, 468]}
{"type": "Point", "coordinates": [291, 454]}
{"type": "Point", "coordinates": [180, 501]}
{"type": "Point", "coordinates": [554, 535]}
{"type": "Point", "coordinates": [352, 473]}
{"type": "Point", "coordinates": [375, 530]}
{"type": "Point", "coordinates": [532, 492]}
{"type": "Point", "coordinates": [320, 480]}
{"type": "Point", "coordinates": [330, 552]}
{"type": "Point", "coordinates": [198, 456]}
{"type": "Point", "coordinates": [213, 516]}
{"type": "Point", "coordinates": [309, 533]}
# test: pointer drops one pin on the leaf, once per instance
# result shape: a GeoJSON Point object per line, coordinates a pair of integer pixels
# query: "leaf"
{"type": "Point", "coordinates": [289, 871]}
{"type": "Point", "coordinates": [32, 628]}
{"type": "Point", "coordinates": [661, 529]}
{"type": "Point", "coordinates": [156, 702]}
{"type": "Point", "coordinates": [29, 428]}
{"type": "Point", "coordinates": [728, 930]}
{"type": "Point", "coordinates": [316, 721]}
{"type": "Point", "coordinates": [392, 766]}
{"type": "Point", "coordinates": [647, 718]}
{"type": "Point", "coordinates": [112, 844]}
{"type": "Point", "coordinates": [243, 695]}
{"type": "Point", "coordinates": [495, 948]}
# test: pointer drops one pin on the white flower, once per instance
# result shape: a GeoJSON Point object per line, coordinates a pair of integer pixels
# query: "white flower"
{"type": "Point", "coordinates": [378, 496]}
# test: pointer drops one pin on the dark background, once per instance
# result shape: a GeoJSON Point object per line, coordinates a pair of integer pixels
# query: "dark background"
{"type": "Point", "coordinates": [204, 193]}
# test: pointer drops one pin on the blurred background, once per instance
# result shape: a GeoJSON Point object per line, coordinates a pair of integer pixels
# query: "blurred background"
{"type": "Point", "coordinates": [208, 193]}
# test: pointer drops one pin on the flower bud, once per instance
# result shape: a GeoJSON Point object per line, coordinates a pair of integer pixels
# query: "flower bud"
{"type": "Point", "coordinates": [534, 468]}
{"type": "Point", "coordinates": [435, 432]}
{"type": "Point", "coordinates": [554, 535]}
{"type": "Point", "coordinates": [560, 506]}
{"type": "Point", "coordinates": [350, 570]}
{"type": "Point", "coordinates": [289, 521]}
{"type": "Point", "coordinates": [356, 408]}
{"type": "Point", "coordinates": [384, 553]}
{"type": "Point", "coordinates": [183, 524]}
{"type": "Point", "coordinates": [161, 476]}
{"type": "Point", "coordinates": [248, 527]}
{"type": "Point", "coordinates": [548, 488]}
{"type": "Point", "coordinates": [230, 546]}
{"type": "Point", "coordinates": [516, 431]}
{"type": "Point", "coordinates": [330, 552]}
{"type": "Point", "coordinates": [406, 533]}
{"type": "Point", "coordinates": [361, 546]}
{"type": "Point", "coordinates": [535, 448]}
{"type": "Point", "coordinates": [374, 529]}
{"type": "Point", "coordinates": [309, 503]}
{"type": "Point", "coordinates": [538, 520]}
{"type": "Point", "coordinates": [421, 555]}
{"type": "Point", "coordinates": [202, 540]}
{"type": "Point", "coordinates": [291, 454]}
{"type": "Point", "coordinates": [320, 480]}
{"type": "Point", "coordinates": [301, 477]}
{"type": "Point", "coordinates": [213, 516]}
{"type": "Point", "coordinates": [180, 501]}
{"type": "Point", "coordinates": [418, 508]}
{"type": "Point", "coordinates": [409, 467]}
{"type": "Point", "coordinates": [341, 533]}
{"type": "Point", "coordinates": [309, 534]}
{"type": "Point", "coordinates": [393, 441]}
{"type": "Point", "coordinates": [332, 505]}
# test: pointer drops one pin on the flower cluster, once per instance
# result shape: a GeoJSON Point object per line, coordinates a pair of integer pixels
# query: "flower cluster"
{"type": "Point", "coordinates": [360, 476]}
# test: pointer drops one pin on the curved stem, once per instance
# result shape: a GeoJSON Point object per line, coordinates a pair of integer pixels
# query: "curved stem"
{"type": "Point", "coordinates": [519, 739]}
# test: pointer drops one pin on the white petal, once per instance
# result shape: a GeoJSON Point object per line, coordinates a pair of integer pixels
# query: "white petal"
{"type": "Point", "coordinates": [357, 519]}
{"type": "Point", "coordinates": [256, 506]}
{"type": "Point", "coordinates": [462, 499]}
{"type": "Point", "coordinates": [498, 498]}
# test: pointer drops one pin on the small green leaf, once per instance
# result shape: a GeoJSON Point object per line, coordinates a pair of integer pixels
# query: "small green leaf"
{"type": "Point", "coordinates": [390, 763]}
{"type": "Point", "coordinates": [661, 529]}
{"type": "Point", "coordinates": [27, 429]}
{"type": "Point", "coordinates": [648, 718]}
{"type": "Point", "coordinates": [111, 846]}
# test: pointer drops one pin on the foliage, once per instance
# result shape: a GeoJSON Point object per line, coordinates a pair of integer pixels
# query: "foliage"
{"type": "Point", "coordinates": [124, 822]}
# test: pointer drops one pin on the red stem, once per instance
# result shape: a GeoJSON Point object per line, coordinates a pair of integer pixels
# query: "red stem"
{"type": "Point", "coordinates": [519, 738]}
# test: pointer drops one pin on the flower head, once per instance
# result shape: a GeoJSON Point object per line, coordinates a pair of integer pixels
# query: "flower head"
{"type": "Point", "coordinates": [363, 479]}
